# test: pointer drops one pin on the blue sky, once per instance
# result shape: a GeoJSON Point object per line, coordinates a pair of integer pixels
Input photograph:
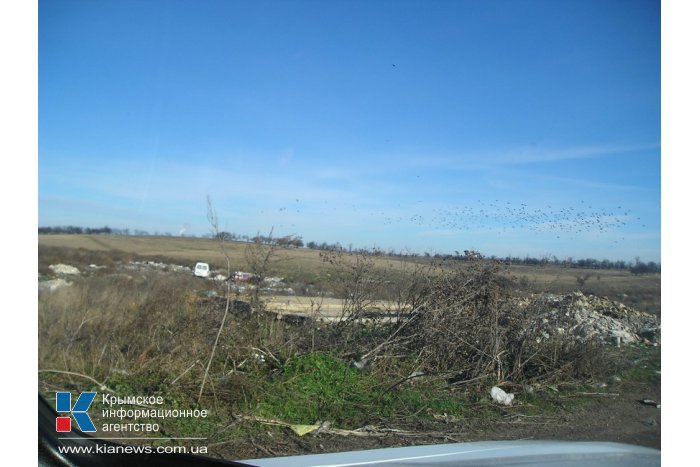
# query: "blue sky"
{"type": "Point", "coordinates": [510, 127]}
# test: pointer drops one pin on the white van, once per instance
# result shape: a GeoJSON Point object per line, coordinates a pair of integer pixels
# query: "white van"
{"type": "Point", "coordinates": [201, 270]}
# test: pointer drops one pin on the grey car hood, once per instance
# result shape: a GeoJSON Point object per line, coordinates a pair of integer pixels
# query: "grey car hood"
{"type": "Point", "coordinates": [522, 453]}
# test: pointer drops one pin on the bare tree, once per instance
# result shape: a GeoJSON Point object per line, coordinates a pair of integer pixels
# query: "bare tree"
{"type": "Point", "coordinates": [214, 222]}
{"type": "Point", "coordinates": [358, 280]}
{"type": "Point", "coordinates": [260, 257]}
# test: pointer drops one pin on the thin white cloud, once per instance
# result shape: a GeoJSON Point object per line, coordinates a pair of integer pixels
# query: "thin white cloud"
{"type": "Point", "coordinates": [181, 183]}
{"type": "Point", "coordinates": [485, 159]}
{"type": "Point", "coordinates": [533, 155]}
{"type": "Point", "coordinates": [581, 182]}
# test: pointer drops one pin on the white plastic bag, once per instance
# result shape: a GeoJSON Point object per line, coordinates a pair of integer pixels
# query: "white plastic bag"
{"type": "Point", "coordinates": [502, 397]}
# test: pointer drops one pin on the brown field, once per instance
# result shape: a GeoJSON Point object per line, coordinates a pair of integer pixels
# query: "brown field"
{"type": "Point", "coordinates": [298, 263]}
{"type": "Point", "coordinates": [642, 292]}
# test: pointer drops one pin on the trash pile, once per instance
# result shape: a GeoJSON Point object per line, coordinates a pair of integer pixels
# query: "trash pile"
{"type": "Point", "coordinates": [64, 269]}
{"type": "Point", "coordinates": [155, 266]}
{"type": "Point", "coordinates": [585, 318]}
{"type": "Point", "coordinates": [60, 270]}
{"type": "Point", "coordinates": [53, 284]}
{"type": "Point", "coordinates": [276, 285]}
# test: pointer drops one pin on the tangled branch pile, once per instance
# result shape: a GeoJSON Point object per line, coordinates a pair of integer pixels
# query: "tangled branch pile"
{"type": "Point", "coordinates": [465, 324]}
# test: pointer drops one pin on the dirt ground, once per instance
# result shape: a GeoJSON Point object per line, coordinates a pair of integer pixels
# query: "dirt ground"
{"type": "Point", "coordinates": [622, 419]}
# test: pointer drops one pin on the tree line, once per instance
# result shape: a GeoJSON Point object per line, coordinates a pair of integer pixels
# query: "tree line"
{"type": "Point", "coordinates": [296, 241]}
{"type": "Point", "coordinates": [74, 230]}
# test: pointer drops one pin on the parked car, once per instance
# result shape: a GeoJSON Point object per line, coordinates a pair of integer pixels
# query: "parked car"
{"type": "Point", "coordinates": [201, 270]}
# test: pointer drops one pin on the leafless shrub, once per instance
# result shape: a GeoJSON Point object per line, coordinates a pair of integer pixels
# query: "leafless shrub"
{"type": "Point", "coordinates": [214, 222]}
{"type": "Point", "coordinates": [552, 358]}
{"type": "Point", "coordinates": [464, 326]}
{"type": "Point", "coordinates": [461, 328]}
{"type": "Point", "coordinates": [410, 288]}
{"type": "Point", "coordinates": [357, 281]}
{"type": "Point", "coordinates": [582, 279]}
{"type": "Point", "coordinates": [261, 257]}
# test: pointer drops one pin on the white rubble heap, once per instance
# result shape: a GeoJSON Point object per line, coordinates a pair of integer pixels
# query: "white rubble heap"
{"type": "Point", "coordinates": [273, 285]}
{"type": "Point", "coordinates": [53, 284]}
{"type": "Point", "coordinates": [586, 318]}
{"type": "Point", "coordinates": [155, 265]}
{"type": "Point", "coordinates": [273, 281]}
{"type": "Point", "coordinates": [64, 269]}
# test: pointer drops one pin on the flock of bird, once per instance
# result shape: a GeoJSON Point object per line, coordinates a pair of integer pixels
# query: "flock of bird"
{"type": "Point", "coordinates": [503, 216]}
{"type": "Point", "coordinates": [498, 217]}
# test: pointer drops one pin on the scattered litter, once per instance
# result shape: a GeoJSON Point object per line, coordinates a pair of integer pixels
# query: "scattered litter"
{"type": "Point", "coordinates": [649, 422]}
{"type": "Point", "coordinates": [502, 397]}
{"type": "Point", "coordinates": [240, 276]}
{"type": "Point", "coordinates": [259, 356]}
{"type": "Point", "coordinates": [273, 281]}
{"type": "Point", "coordinates": [365, 431]}
{"type": "Point", "coordinates": [155, 266]}
{"type": "Point", "coordinates": [361, 364]}
{"type": "Point", "coordinates": [650, 402]}
{"type": "Point", "coordinates": [302, 430]}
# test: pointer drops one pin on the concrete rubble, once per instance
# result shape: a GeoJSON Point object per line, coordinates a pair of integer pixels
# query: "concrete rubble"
{"type": "Point", "coordinates": [53, 284]}
{"type": "Point", "coordinates": [273, 281]}
{"type": "Point", "coordinates": [64, 269]}
{"type": "Point", "coordinates": [586, 318]}
{"type": "Point", "coordinates": [155, 266]}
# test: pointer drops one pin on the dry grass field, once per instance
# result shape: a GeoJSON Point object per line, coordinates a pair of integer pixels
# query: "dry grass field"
{"type": "Point", "coordinates": [642, 292]}
{"type": "Point", "coordinates": [299, 263]}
